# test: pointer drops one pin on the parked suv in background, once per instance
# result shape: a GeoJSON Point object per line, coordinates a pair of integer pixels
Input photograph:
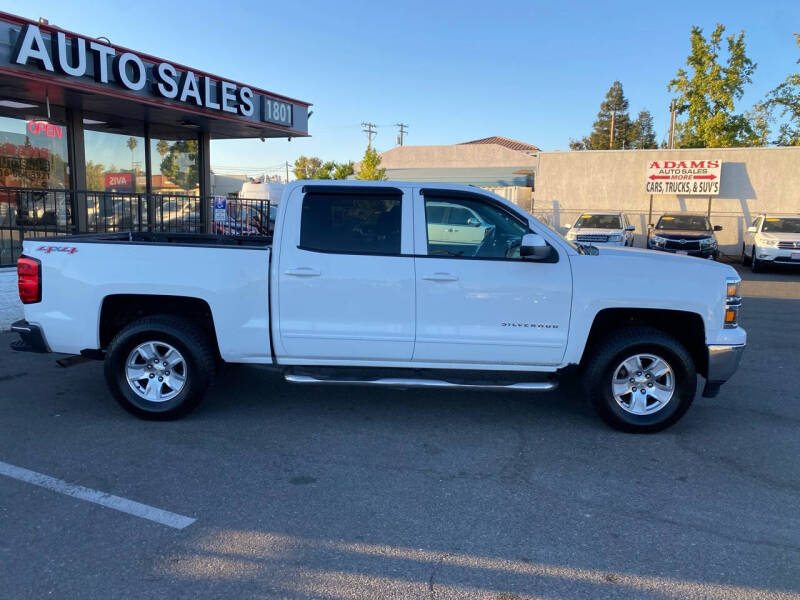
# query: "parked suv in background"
{"type": "Point", "coordinates": [596, 228]}
{"type": "Point", "coordinates": [685, 234]}
{"type": "Point", "coordinates": [772, 240]}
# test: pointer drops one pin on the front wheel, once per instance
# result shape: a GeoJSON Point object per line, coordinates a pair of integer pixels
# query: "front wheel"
{"type": "Point", "coordinates": [160, 367]}
{"type": "Point", "coordinates": [640, 380]}
{"type": "Point", "coordinates": [756, 265]}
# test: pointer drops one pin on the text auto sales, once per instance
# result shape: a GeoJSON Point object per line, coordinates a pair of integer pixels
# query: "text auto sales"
{"type": "Point", "coordinates": [131, 73]}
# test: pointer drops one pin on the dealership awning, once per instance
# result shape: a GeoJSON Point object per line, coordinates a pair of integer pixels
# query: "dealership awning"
{"type": "Point", "coordinates": [48, 65]}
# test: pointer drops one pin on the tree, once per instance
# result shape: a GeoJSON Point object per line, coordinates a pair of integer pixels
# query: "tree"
{"type": "Point", "coordinates": [614, 107]}
{"type": "Point", "coordinates": [370, 166]}
{"type": "Point", "coordinates": [307, 167]}
{"type": "Point", "coordinates": [180, 164]}
{"type": "Point", "coordinates": [162, 147]}
{"type": "Point", "coordinates": [708, 91]}
{"type": "Point", "coordinates": [643, 136]}
{"type": "Point", "coordinates": [783, 101]}
{"type": "Point", "coordinates": [132, 143]}
{"type": "Point", "coordinates": [94, 176]}
{"type": "Point", "coordinates": [343, 170]}
{"type": "Point", "coordinates": [326, 170]}
{"type": "Point", "coordinates": [313, 168]}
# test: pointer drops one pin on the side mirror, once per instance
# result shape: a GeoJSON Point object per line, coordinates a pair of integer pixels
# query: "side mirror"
{"type": "Point", "coordinates": [752, 230]}
{"type": "Point", "coordinates": [568, 226]}
{"type": "Point", "coordinates": [717, 227]}
{"type": "Point", "coordinates": [630, 228]}
{"type": "Point", "coordinates": [474, 222]}
{"type": "Point", "coordinates": [534, 247]}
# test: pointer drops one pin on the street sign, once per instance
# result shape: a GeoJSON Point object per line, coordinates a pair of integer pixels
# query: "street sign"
{"type": "Point", "coordinates": [684, 177]}
{"type": "Point", "coordinates": [220, 209]}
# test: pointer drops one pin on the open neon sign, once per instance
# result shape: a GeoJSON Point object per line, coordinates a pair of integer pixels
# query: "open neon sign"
{"type": "Point", "coordinates": [45, 128]}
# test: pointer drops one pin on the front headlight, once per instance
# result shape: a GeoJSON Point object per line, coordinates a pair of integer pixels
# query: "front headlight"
{"type": "Point", "coordinates": [769, 243]}
{"type": "Point", "coordinates": [733, 301]}
{"type": "Point", "coordinates": [658, 241]}
{"type": "Point", "coordinates": [614, 238]}
{"type": "Point", "coordinates": [708, 242]}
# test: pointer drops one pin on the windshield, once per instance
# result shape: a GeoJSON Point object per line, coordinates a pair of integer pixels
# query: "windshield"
{"type": "Point", "coordinates": [599, 222]}
{"type": "Point", "coordinates": [775, 225]}
{"type": "Point", "coordinates": [685, 222]}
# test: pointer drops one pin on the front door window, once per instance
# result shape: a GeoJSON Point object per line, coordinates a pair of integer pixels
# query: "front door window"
{"type": "Point", "coordinates": [467, 227]}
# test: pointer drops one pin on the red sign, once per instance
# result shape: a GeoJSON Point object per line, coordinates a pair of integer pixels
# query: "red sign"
{"type": "Point", "coordinates": [9, 149]}
{"type": "Point", "coordinates": [119, 181]}
{"type": "Point", "coordinates": [46, 129]}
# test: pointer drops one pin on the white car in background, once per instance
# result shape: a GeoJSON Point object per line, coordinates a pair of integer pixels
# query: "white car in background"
{"type": "Point", "coordinates": [607, 229]}
{"type": "Point", "coordinates": [772, 239]}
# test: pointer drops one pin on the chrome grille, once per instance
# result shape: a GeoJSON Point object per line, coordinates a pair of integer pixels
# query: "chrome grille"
{"type": "Point", "coordinates": [789, 245]}
{"type": "Point", "coordinates": [592, 237]}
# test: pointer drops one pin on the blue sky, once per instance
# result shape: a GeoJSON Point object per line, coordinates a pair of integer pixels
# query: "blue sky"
{"type": "Point", "coordinates": [454, 71]}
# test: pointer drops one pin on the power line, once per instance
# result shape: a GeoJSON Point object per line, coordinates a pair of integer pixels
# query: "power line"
{"type": "Point", "coordinates": [369, 129]}
{"type": "Point", "coordinates": [403, 130]}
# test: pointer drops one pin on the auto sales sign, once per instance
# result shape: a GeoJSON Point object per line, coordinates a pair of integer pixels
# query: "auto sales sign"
{"type": "Point", "coordinates": [684, 177]}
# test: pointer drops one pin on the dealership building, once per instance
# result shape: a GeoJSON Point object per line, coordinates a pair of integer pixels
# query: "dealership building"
{"type": "Point", "coordinates": [97, 137]}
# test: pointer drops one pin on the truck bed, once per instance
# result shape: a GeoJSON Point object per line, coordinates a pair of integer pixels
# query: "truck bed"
{"type": "Point", "coordinates": [165, 238]}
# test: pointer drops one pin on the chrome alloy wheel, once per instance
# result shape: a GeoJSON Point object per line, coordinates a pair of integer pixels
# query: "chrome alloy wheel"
{"type": "Point", "coordinates": [156, 371]}
{"type": "Point", "coordinates": [643, 384]}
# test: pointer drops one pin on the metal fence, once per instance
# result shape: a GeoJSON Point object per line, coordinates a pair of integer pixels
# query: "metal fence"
{"type": "Point", "coordinates": [28, 213]}
{"type": "Point", "coordinates": [24, 211]}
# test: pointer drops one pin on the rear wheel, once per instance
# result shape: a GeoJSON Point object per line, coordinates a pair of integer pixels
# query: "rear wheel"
{"type": "Point", "coordinates": [160, 367]}
{"type": "Point", "coordinates": [640, 380]}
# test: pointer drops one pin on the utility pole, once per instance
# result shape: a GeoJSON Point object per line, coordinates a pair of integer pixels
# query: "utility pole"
{"type": "Point", "coordinates": [403, 127]}
{"type": "Point", "coordinates": [369, 129]}
{"type": "Point", "coordinates": [611, 133]}
{"type": "Point", "coordinates": [287, 172]}
{"type": "Point", "coordinates": [672, 110]}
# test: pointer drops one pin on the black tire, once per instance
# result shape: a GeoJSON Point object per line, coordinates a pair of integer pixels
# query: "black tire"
{"type": "Point", "coordinates": [756, 265]}
{"type": "Point", "coordinates": [746, 261]}
{"type": "Point", "coordinates": [599, 370]}
{"type": "Point", "coordinates": [193, 344]}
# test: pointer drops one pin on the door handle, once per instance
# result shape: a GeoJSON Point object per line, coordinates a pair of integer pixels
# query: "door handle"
{"type": "Point", "coordinates": [302, 272]}
{"type": "Point", "coordinates": [440, 277]}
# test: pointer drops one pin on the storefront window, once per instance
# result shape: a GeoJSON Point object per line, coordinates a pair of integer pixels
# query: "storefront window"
{"type": "Point", "coordinates": [175, 167]}
{"type": "Point", "coordinates": [33, 154]}
{"type": "Point", "coordinates": [114, 162]}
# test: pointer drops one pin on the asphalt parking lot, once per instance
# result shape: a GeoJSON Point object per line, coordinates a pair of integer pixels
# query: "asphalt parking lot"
{"type": "Point", "coordinates": [340, 493]}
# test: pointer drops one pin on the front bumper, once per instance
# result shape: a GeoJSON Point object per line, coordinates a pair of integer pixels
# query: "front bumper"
{"type": "Point", "coordinates": [778, 255]}
{"type": "Point", "coordinates": [31, 338]}
{"type": "Point", "coordinates": [709, 252]}
{"type": "Point", "coordinates": [723, 360]}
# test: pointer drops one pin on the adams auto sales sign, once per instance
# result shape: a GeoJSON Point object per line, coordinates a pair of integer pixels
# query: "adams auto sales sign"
{"type": "Point", "coordinates": [695, 177]}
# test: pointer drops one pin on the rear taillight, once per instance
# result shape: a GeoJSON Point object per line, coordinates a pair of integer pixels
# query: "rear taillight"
{"type": "Point", "coordinates": [29, 279]}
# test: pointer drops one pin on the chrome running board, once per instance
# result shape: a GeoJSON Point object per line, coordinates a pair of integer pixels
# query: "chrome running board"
{"type": "Point", "coordinates": [537, 386]}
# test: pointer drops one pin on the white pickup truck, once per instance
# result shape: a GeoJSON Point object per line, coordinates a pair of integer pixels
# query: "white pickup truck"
{"type": "Point", "coordinates": [354, 289]}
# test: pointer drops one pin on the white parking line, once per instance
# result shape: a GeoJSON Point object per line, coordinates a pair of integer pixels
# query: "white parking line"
{"type": "Point", "coordinates": [130, 507]}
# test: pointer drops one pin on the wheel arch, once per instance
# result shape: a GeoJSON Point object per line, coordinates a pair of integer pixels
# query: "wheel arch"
{"type": "Point", "coordinates": [686, 326]}
{"type": "Point", "coordinates": [119, 310]}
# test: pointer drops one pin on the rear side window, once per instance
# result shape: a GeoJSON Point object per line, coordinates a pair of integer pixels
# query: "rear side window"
{"type": "Point", "coordinates": [352, 223]}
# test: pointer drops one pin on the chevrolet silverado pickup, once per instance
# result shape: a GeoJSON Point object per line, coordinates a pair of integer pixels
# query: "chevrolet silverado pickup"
{"type": "Point", "coordinates": [360, 284]}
